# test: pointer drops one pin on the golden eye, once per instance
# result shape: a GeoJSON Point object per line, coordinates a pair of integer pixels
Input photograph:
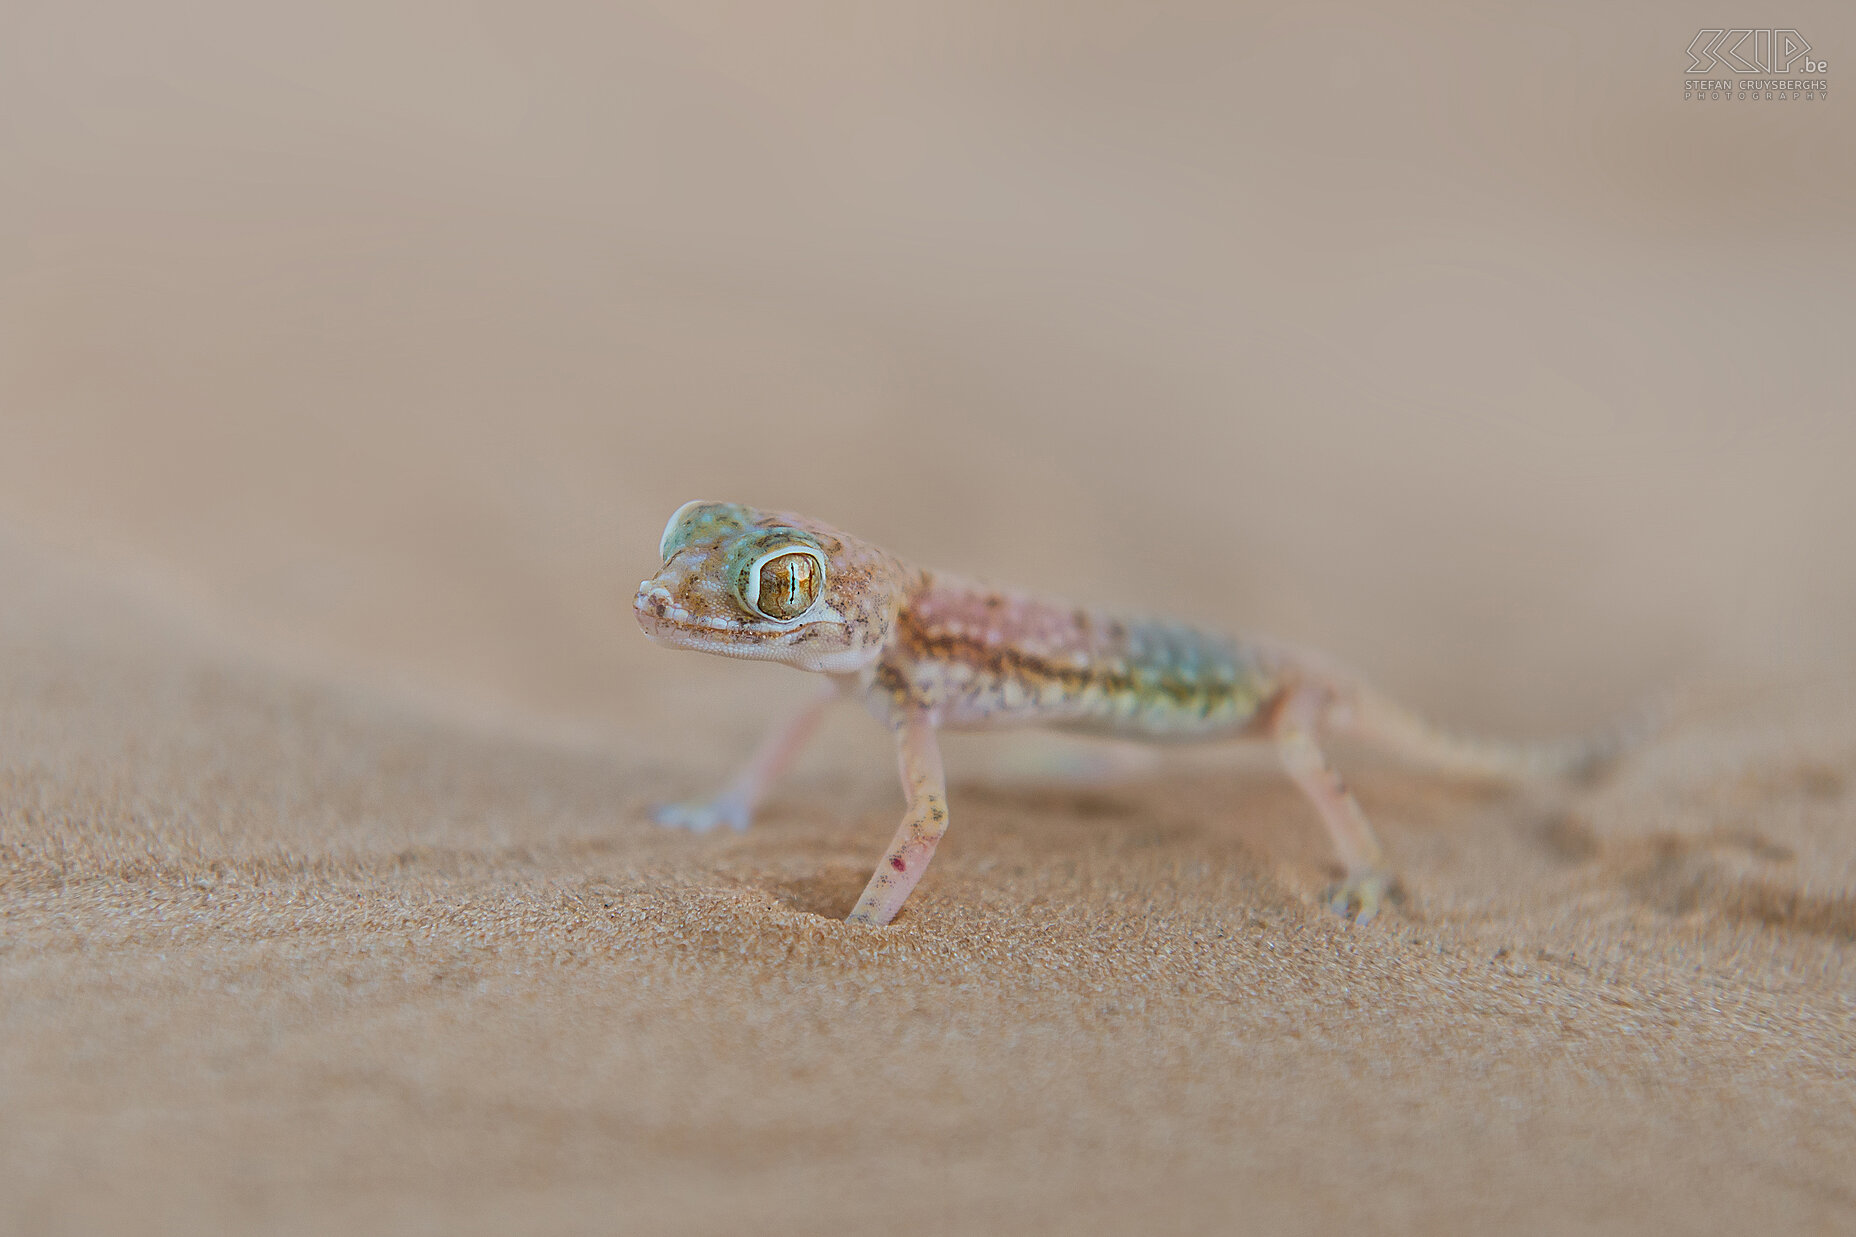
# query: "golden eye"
{"type": "Point", "coordinates": [784, 584]}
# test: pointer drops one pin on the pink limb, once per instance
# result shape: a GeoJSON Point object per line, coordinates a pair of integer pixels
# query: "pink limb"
{"type": "Point", "coordinates": [1295, 726]}
{"type": "Point", "coordinates": [735, 806]}
{"type": "Point", "coordinates": [925, 785]}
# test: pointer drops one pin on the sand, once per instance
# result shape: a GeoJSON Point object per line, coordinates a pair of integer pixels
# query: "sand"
{"type": "Point", "coordinates": [350, 365]}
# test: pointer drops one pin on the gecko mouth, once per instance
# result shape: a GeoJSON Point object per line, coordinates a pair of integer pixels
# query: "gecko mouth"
{"type": "Point", "coordinates": [664, 622]}
{"type": "Point", "coordinates": [659, 616]}
{"type": "Point", "coordinates": [663, 619]}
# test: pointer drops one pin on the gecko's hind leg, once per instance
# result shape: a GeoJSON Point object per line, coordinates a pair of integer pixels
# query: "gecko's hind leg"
{"type": "Point", "coordinates": [1366, 883]}
{"type": "Point", "coordinates": [735, 805]}
{"type": "Point", "coordinates": [925, 784]}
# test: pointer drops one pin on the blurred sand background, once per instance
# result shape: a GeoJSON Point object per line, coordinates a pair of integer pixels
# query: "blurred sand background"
{"type": "Point", "coordinates": [352, 357]}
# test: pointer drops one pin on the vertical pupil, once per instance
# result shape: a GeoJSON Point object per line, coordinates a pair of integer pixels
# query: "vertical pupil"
{"type": "Point", "coordinates": [787, 585]}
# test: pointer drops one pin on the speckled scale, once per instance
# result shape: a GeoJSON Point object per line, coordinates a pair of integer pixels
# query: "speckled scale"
{"type": "Point", "coordinates": [981, 657]}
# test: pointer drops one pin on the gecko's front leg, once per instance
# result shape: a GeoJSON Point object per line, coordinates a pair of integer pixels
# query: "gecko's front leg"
{"type": "Point", "coordinates": [925, 785]}
{"type": "Point", "coordinates": [1296, 726]}
{"type": "Point", "coordinates": [735, 806]}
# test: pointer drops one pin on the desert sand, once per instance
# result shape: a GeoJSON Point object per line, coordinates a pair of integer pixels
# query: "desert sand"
{"type": "Point", "coordinates": [351, 360]}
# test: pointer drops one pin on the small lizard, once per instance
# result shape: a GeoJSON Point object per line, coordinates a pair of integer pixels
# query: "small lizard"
{"type": "Point", "coordinates": [925, 650]}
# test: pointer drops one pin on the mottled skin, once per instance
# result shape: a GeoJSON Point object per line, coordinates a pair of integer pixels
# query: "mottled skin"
{"type": "Point", "coordinates": [924, 650]}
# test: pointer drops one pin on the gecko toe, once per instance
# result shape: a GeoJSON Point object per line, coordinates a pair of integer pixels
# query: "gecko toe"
{"type": "Point", "coordinates": [1363, 895]}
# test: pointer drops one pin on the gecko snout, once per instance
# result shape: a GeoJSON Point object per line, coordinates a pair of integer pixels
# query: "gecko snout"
{"type": "Point", "coordinates": [652, 596]}
{"type": "Point", "coordinates": [652, 605]}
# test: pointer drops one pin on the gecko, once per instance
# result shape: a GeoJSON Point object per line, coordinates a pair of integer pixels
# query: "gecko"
{"type": "Point", "coordinates": [925, 651]}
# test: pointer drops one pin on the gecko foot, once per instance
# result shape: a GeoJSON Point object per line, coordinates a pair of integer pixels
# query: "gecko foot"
{"type": "Point", "coordinates": [702, 817]}
{"type": "Point", "coordinates": [1361, 896]}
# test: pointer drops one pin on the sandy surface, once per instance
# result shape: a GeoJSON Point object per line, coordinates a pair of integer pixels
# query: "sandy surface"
{"type": "Point", "coordinates": [350, 364]}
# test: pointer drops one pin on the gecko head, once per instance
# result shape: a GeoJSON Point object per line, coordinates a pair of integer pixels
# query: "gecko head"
{"type": "Point", "coordinates": [744, 583]}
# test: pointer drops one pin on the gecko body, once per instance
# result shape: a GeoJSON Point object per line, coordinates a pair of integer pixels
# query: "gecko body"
{"type": "Point", "coordinates": [925, 651]}
{"type": "Point", "coordinates": [983, 657]}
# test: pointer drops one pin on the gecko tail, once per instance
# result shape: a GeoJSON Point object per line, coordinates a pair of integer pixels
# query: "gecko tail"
{"type": "Point", "coordinates": [1385, 724]}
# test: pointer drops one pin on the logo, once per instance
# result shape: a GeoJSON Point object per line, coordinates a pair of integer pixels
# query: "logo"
{"type": "Point", "coordinates": [1769, 65]}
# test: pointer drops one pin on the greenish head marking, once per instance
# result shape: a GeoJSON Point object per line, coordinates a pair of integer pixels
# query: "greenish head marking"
{"type": "Point", "coordinates": [700, 521]}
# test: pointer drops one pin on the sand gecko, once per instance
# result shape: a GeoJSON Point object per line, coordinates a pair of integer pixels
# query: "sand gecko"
{"type": "Point", "coordinates": [925, 650]}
